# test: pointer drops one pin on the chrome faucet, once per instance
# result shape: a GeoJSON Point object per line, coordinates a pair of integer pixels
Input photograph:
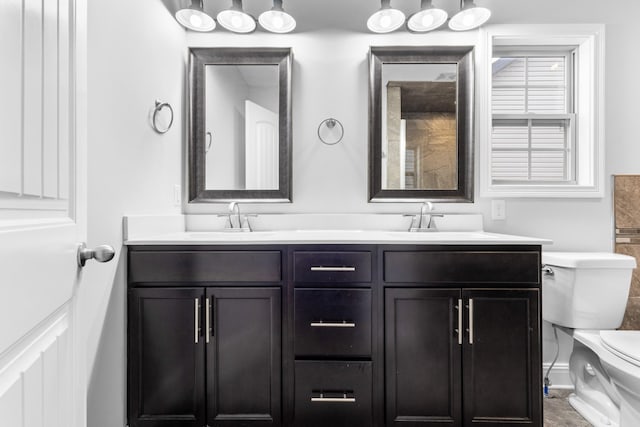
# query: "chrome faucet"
{"type": "Point", "coordinates": [425, 224]}
{"type": "Point", "coordinates": [426, 207]}
{"type": "Point", "coordinates": [234, 208]}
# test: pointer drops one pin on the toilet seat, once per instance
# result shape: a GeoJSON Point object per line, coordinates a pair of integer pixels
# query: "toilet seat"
{"type": "Point", "coordinates": [624, 344]}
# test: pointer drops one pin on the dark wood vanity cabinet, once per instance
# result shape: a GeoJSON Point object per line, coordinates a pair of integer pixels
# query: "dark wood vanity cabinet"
{"type": "Point", "coordinates": [203, 353]}
{"type": "Point", "coordinates": [332, 319]}
{"type": "Point", "coordinates": [334, 335]}
{"type": "Point", "coordinates": [462, 353]}
{"type": "Point", "coordinates": [166, 364]}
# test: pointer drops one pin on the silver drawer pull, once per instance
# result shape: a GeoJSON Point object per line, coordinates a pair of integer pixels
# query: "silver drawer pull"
{"type": "Point", "coordinates": [196, 316]}
{"type": "Point", "coordinates": [343, 399]}
{"type": "Point", "coordinates": [470, 306]}
{"type": "Point", "coordinates": [208, 320]}
{"type": "Point", "coordinates": [459, 330]}
{"type": "Point", "coordinates": [323, 268]}
{"type": "Point", "coordinates": [343, 324]}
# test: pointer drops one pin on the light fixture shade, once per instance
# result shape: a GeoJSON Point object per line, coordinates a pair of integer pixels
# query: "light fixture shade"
{"type": "Point", "coordinates": [470, 17]}
{"type": "Point", "coordinates": [386, 19]}
{"type": "Point", "coordinates": [427, 19]}
{"type": "Point", "coordinates": [194, 18]}
{"type": "Point", "coordinates": [277, 20]}
{"type": "Point", "coordinates": [236, 20]}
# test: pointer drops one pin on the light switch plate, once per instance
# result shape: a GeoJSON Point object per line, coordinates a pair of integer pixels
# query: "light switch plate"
{"type": "Point", "coordinates": [498, 210]}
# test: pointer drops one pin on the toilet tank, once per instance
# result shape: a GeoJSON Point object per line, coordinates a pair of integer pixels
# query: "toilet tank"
{"type": "Point", "coordinates": [585, 290]}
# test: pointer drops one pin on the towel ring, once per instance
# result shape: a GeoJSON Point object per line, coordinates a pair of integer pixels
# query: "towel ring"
{"type": "Point", "coordinates": [330, 131]}
{"type": "Point", "coordinates": [156, 124]}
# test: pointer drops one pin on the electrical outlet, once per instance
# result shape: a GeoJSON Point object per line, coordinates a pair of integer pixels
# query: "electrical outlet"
{"type": "Point", "coordinates": [498, 210]}
{"type": "Point", "coordinates": [177, 195]}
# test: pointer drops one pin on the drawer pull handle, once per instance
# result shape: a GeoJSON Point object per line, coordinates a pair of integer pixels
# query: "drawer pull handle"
{"type": "Point", "coordinates": [343, 324]}
{"type": "Point", "coordinates": [459, 330]}
{"type": "Point", "coordinates": [343, 399]}
{"type": "Point", "coordinates": [208, 320]}
{"type": "Point", "coordinates": [470, 306]}
{"type": "Point", "coordinates": [323, 268]}
{"type": "Point", "coordinates": [196, 316]}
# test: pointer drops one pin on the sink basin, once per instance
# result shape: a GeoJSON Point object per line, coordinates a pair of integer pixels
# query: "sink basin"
{"type": "Point", "coordinates": [442, 235]}
{"type": "Point", "coordinates": [227, 235]}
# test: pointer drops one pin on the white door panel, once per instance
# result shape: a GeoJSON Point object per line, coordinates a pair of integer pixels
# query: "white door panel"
{"type": "Point", "coordinates": [35, 381]}
{"type": "Point", "coordinates": [37, 275]}
{"type": "Point", "coordinates": [42, 211]}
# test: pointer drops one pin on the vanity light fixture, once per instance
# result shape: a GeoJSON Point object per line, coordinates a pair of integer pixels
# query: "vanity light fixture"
{"type": "Point", "coordinates": [469, 17]}
{"type": "Point", "coordinates": [194, 18]}
{"type": "Point", "coordinates": [386, 19]}
{"type": "Point", "coordinates": [236, 20]}
{"type": "Point", "coordinates": [428, 18]}
{"type": "Point", "coordinates": [277, 20]}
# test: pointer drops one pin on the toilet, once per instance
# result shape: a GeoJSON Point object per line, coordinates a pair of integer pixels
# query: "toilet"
{"type": "Point", "coordinates": [586, 294]}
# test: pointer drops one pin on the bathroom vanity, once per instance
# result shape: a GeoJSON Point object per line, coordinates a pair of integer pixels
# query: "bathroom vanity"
{"type": "Point", "coordinates": [305, 330]}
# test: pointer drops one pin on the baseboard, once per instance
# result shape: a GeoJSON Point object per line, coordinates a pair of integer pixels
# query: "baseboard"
{"type": "Point", "coordinates": [559, 375]}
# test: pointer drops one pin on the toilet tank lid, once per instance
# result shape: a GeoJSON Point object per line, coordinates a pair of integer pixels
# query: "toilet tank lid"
{"type": "Point", "coordinates": [588, 260]}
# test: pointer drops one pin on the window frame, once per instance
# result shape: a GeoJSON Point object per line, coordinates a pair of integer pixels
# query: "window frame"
{"type": "Point", "coordinates": [587, 125]}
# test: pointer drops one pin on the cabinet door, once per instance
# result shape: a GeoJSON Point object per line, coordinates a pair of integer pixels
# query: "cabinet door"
{"type": "Point", "coordinates": [502, 367]}
{"type": "Point", "coordinates": [422, 356]}
{"type": "Point", "coordinates": [243, 356]}
{"type": "Point", "coordinates": [166, 358]}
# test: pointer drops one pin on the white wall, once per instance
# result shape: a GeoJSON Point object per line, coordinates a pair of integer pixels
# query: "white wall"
{"type": "Point", "coordinates": [136, 55]}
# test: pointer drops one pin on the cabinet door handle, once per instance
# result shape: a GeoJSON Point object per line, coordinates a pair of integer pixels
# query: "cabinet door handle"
{"type": "Point", "coordinates": [343, 399]}
{"type": "Point", "coordinates": [470, 320]}
{"type": "Point", "coordinates": [335, 268]}
{"type": "Point", "coordinates": [459, 330]}
{"type": "Point", "coordinates": [196, 308]}
{"type": "Point", "coordinates": [343, 324]}
{"type": "Point", "coordinates": [207, 316]}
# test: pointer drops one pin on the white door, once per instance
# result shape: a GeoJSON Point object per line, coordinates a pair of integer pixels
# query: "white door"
{"type": "Point", "coordinates": [261, 147]}
{"type": "Point", "coordinates": [42, 210]}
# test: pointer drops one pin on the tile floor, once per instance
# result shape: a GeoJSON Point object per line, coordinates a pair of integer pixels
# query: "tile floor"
{"type": "Point", "coordinates": [559, 413]}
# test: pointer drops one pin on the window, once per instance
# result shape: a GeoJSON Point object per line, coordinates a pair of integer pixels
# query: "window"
{"type": "Point", "coordinates": [543, 122]}
{"type": "Point", "coordinates": [532, 117]}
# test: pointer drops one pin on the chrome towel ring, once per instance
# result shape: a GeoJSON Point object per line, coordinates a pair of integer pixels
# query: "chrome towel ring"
{"type": "Point", "coordinates": [330, 131]}
{"type": "Point", "coordinates": [157, 121]}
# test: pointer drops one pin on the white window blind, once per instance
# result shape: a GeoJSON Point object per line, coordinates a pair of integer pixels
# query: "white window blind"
{"type": "Point", "coordinates": [532, 117]}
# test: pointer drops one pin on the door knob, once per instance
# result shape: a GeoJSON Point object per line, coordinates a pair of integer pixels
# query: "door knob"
{"type": "Point", "coordinates": [102, 253]}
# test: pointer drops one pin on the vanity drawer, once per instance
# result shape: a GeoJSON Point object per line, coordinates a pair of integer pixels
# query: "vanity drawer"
{"type": "Point", "coordinates": [333, 322]}
{"type": "Point", "coordinates": [332, 267]}
{"type": "Point", "coordinates": [462, 266]}
{"type": "Point", "coordinates": [336, 394]}
{"type": "Point", "coordinates": [205, 266]}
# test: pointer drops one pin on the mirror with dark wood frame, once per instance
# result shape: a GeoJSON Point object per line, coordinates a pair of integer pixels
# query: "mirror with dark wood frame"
{"type": "Point", "coordinates": [240, 124]}
{"type": "Point", "coordinates": [421, 123]}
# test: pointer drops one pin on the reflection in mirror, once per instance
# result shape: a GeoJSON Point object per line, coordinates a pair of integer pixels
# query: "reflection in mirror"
{"type": "Point", "coordinates": [242, 119]}
{"type": "Point", "coordinates": [419, 111]}
{"type": "Point", "coordinates": [240, 124]}
{"type": "Point", "coordinates": [421, 123]}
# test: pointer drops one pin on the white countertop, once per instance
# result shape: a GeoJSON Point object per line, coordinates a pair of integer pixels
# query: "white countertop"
{"type": "Point", "coordinates": [334, 237]}
{"type": "Point", "coordinates": [313, 229]}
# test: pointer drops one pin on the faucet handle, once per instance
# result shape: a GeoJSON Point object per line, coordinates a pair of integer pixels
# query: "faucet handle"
{"type": "Point", "coordinates": [247, 224]}
{"type": "Point", "coordinates": [431, 224]}
{"type": "Point", "coordinates": [229, 222]}
{"type": "Point", "coordinates": [413, 220]}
